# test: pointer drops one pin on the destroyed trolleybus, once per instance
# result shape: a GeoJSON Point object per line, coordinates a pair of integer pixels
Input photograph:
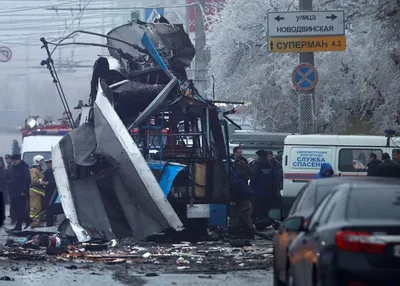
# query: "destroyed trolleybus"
{"type": "Point", "coordinates": [149, 153]}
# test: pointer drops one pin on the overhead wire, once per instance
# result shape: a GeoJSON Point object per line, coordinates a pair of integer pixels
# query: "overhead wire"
{"type": "Point", "coordinates": [26, 9]}
{"type": "Point", "coordinates": [54, 72]}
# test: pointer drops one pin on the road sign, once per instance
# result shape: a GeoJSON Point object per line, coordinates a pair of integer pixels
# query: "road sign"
{"type": "Point", "coordinates": [307, 44]}
{"type": "Point", "coordinates": [305, 77]}
{"type": "Point", "coordinates": [306, 23]}
{"type": "Point", "coordinates": [5, 54]}
{"type": "Point", "coordinates": [152, 13]}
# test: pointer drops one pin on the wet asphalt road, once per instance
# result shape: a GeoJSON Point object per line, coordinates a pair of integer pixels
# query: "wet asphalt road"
{"type": "Point", "coordinates": [41, 273]}
{"type": "Point", "coordinates": [90, 273]}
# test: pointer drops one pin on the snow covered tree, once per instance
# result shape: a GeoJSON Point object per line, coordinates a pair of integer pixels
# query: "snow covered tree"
{"type": "Point", "coordinates": [358, 86]}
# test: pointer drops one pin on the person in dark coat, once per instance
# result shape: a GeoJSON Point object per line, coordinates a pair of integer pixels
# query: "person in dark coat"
{"type": "Point", "coordinates": [385, 157]}
{"type": "Point", "coordinates": [50, 190]}
{"type": "Point", "coordinates": [263, 181]}
{"type": "Point", "coordinates": [20, 181]}
{"type": "Point", "coordinates": [241, 206]}
{"type": "Point", "coordinates": [3, 183]}
{"type": "Point", "coordinates": [326, 171]}
{"type": "Point", "coordinates": [238, 155]}
{"type": "Point", "coordinates": [396, 156]}
{"type": "Point", "coordinates": [279, 171]}
{"type": "Point", "coordinates": [388, 168]}
{"type": "Point", "coordinates": [8, 169]}
{"type": "Point", "coordinates": [373, 163]}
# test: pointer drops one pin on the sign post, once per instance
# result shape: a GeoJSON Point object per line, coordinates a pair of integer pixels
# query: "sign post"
{"type": "Point", "coordinates": [5, 54]}
{"type": "Point", "coordinates": [307, 124]}
{"type": "Point", "coordinates": [305, 32]}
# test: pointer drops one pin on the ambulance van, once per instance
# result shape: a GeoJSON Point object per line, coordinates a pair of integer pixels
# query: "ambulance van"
{"type": "Point", "coordinates": [348, 155]}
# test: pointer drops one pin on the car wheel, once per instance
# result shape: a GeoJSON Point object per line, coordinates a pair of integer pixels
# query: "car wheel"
{"type": "Point", "coordinates": [316, 278]}
{"type": "Point", "coordinates": [277, 282]}
{"type": "Point", "coordinates": [289, 276]}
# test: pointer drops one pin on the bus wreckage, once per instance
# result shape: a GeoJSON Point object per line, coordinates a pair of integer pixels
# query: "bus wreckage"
{"type": "Point", "coordinates": [147, 153]}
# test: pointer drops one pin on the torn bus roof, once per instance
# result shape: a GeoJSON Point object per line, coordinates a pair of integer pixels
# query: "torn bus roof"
{"type": "Point", "coordinates": [115, 196]}
{"type": "Point", "coordinates": [171, 41]}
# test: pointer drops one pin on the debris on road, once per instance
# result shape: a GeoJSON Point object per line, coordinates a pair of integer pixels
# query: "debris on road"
{"type": "Point", "coordinates": [202, 257]}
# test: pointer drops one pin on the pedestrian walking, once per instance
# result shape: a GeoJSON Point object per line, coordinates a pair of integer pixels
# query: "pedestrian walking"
{"type": "Point", "coordinates": [373, 164]}
{"type": "Point", "coordinates": [263, 181]}
{"type": "Point", "coordinates": [241, 205]}
{"type": "Point", "coordinates": [50, 192]}
{"type": "Point", "coordinates": [326, 171]}
{"type": "Point", "coordinates": [19, 190]}
{"type": "Point", "coordinates": [36, 191]}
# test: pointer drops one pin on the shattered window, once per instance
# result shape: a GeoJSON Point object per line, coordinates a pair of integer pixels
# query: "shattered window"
{"type": "Point", "coordinates": [356, 160]}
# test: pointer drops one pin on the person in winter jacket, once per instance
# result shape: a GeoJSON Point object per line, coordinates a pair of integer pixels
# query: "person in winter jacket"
{"type": "Point", "coordinates": [50, 189]}
{"type": "Point", "coordinates": [238, 155]}
{"type": "Point", "coordinates": [263, 181]}
{"type": "Point", "coordinates": [385, 157]}
{"type": "Point", "coordinates": [388, 168]}
{"type": "Point", "coordinates": [326, 171]}
{"type": "Point", "coordinates": [373, 163]}
{"type": "Point", "coordinates": [3, 190]}
{"type": "Point", "coordinates": [279, 171]}
{"type": "Point", "coordinates": [8, 168]}
{"type": "Point", "coordinates": [36, 191]}
{"type": "Point", "coordinates": [241, 206]}
{"type": "Point", "coordinates": [20, 180]}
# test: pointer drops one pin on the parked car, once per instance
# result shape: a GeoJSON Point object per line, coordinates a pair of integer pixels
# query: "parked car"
{"type": "Point", "coordinates": [307, 200]}
{"type": "Point", "coordinates": [353, 237]}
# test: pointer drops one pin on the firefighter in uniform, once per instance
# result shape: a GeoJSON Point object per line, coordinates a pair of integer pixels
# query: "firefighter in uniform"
{"type": "Point", "coordinates": [36, 192]}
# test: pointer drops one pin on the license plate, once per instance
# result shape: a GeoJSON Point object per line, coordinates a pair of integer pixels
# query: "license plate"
{"type": "Point", "coordinates": [396, 251]}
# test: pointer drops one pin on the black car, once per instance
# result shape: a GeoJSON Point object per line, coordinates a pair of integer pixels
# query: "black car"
{"type": "Point", "coordinates": [353, 237]}
{"type": "Point", "coordinates": [304, 205]}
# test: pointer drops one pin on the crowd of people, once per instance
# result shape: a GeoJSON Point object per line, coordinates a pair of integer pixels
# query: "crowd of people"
{"type": "Point", "coordinates": [255, 189]}
{"type": "Point", "coordinates": [28, 190]}
{"type": "Point", "coordinates": [385, 168]}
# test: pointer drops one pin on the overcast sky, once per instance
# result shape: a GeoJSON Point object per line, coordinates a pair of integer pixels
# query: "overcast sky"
{"type": "Point", "coordinates": [27, 86]}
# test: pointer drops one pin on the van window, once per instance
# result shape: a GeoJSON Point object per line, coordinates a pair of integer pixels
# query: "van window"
{"type": "Point", "coordinates": [356, 160]}
{"type": "Point", "coordinates": [28, 158]}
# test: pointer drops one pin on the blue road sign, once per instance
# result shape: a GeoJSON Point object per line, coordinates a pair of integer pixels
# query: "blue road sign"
{"type": "Point", "coordinates": [151, 13]}
{"type": "Point", "coordinates": [305, 77]}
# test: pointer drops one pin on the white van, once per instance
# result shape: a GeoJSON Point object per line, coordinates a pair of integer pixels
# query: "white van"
{"type": "Point", "coordinates": [348, 155]}
{"type": "Point", "coordinates": [39, 144]}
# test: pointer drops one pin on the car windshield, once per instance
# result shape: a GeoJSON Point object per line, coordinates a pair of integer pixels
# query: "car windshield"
{"type": "Point", "coordinates": [373, 203]}
{"type": "Point", "coordinates": [28, 158]}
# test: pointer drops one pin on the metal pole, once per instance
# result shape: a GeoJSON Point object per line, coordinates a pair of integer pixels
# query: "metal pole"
{"type": "Point", "coordinates": [200, 44]}
{"type": "Point", "coordinates": [307, 100]}
{"type": "Point", "coordinates": [28, 81]}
